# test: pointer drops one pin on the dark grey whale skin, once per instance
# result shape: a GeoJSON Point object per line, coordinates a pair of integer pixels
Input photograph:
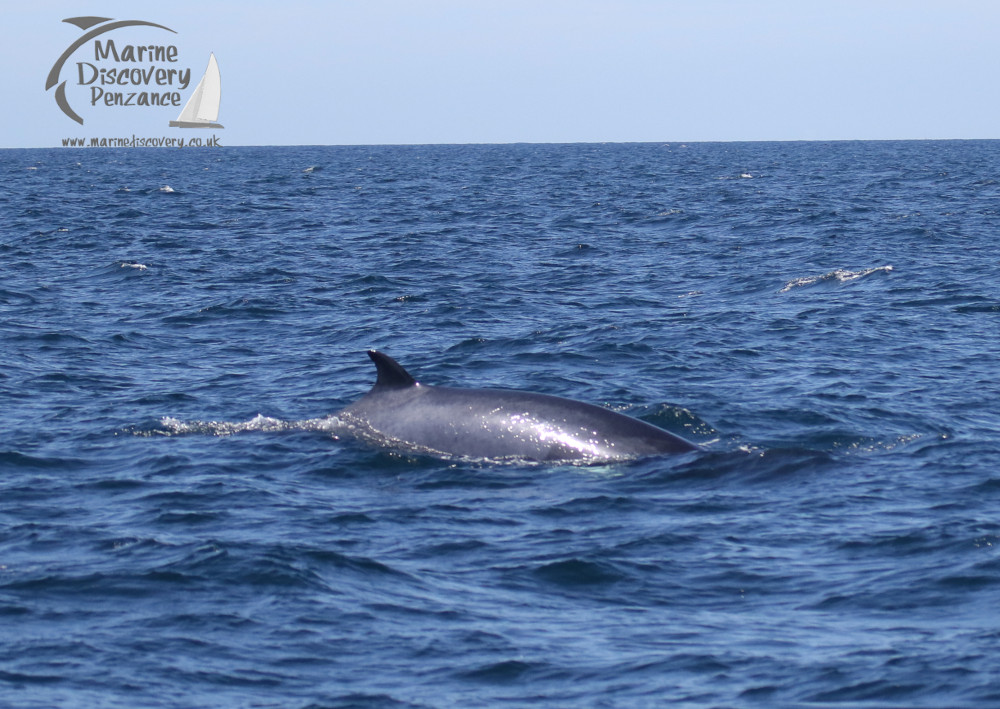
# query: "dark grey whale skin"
{"type": "Point", "coordinates": [496, 424]}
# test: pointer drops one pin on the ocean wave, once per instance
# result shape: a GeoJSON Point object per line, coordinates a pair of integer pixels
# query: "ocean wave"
{"type": "Point", "coordinates": [840, 275]}
{"type": "Point", "coordinates": [211, 555]}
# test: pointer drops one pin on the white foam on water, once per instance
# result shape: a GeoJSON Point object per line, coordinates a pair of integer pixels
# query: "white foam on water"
{"type": "Point", "coordinates": [840, 275]}
{"type": "Point", "coordinates": [173, 427]}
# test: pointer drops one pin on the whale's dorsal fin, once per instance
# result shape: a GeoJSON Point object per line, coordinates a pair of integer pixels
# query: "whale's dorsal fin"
{"type": "Point", "coordinates": [390, 372]}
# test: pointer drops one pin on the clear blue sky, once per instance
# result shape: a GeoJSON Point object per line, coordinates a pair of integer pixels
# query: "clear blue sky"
{"type": "Point", "coordinates": [495, 71]}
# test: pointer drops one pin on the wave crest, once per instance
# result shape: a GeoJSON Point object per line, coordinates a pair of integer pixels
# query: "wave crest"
{"type": "Point", "coordinates": [841, 275]}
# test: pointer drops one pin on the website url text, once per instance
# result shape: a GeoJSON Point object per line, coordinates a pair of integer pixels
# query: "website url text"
{"type": "Point", "coordinates": [137, 142]}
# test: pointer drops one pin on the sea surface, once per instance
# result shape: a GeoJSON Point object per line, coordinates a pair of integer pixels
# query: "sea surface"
{"type": "Point", "coordinates": [183, 524]}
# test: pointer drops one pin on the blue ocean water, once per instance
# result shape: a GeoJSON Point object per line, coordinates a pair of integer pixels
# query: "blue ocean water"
{"type": "Point", "coordinates": [181, 524]}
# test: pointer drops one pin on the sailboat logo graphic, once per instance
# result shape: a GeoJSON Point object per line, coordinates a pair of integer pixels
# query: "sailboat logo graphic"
{"type": "Point", "coordinates": [202, 109]}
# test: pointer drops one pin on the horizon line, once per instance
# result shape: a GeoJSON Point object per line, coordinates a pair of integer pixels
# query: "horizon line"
{"type": "Point", "coordinates": [526, 142]}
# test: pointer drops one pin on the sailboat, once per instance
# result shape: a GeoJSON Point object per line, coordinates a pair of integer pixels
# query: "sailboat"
{"type": "Point", "coordinates": [202, 108]}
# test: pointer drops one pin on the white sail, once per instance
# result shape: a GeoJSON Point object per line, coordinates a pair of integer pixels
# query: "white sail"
{"type": "Point", "coordinates": [202, 108]}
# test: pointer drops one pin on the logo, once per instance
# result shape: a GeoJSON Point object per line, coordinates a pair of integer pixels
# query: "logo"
{"type": "Point", "coordinates": [123, 76]}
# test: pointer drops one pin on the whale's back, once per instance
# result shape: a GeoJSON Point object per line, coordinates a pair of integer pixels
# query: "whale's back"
{"type": "Point", "coordinates": [498, 424]}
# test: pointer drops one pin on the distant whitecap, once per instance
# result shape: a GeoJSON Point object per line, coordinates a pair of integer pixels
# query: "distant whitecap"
{"type": "Point", "coordinates": [840, 275]}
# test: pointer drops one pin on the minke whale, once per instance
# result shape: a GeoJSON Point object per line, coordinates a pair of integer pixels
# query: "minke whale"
{"type": "Point", "coordinates": [496, 424]}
